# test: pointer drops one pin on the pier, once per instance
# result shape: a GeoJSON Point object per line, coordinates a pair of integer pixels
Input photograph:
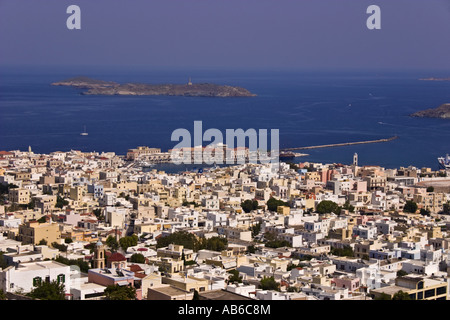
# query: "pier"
{"type": "Point", "coordinates": [339, 144]}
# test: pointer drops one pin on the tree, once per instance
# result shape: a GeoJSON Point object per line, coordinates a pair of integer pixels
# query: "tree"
{"type": "Point", "coordinates": [400, 295]}
{"type": "Point", "coordinates": [68, 240]}
{"type": "Point", "coordinates": [269, 283]}
{"type": "Point", "coordinates": [60, 202]}
{"type": "Point", "coordinates": [112, 243]}
{"type": "Point", "coordinates": [128, 241]}
{"type": "Point", "coordinates": [446, 208]}
{"type": "Point", "coordinates": [48, 291]}
{"type": "Point", "coordinates": [327, 206]}
{"type": "Point", "coordinates": [83, 265]}
{"type": "Point", "coordinates": [348, 206]}
{"type": "Point", "coordinates": [383, 296]}
{"type": "Point", "coordinates": [3, 263]}
{"type": "Point", "coordinates": [234, 277]}
{"type": "Point", "coordinates": [116, 292]}
{"type": "Point", "coordinates": [43, 242]}
{"type": "Point", "coordinates": [255, 229]}
{"type": "Point", "coordinates": [60, 247]}
{"type": "Point", "coordinates": [347, 251]}
{"type": "Point", "coordinates": [251, 249]}
{"type": "Point", "coordinates": [401, 273]}
{"type": "Point", "coordinates": [137, 258]}
{"type": "Point", "coordinates": [430, 189]}
{"type": "Point", "coordinates": [273, 204]}
{"type": "Point", "coordinates": [410, 206]}
{"type": "Point", "coordinates": [42, 219]}
{"type": "Point", "coordinates": [2, 295]}
{"type": "Point", "coordinates": [425, 212]}
{"type": "Point", "coordinates": [196, 295]}
{"type": "Point", "coordinates": [99, 214]}
{"type": "Point", "coordinates": [249, 205]}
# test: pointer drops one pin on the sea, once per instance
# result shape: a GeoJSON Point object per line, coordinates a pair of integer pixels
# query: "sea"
{"type": "Point", "coordinates": [308, 107]}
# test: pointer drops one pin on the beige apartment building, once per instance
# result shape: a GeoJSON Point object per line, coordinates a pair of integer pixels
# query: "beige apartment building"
{"type": "Point", "coordinates": [19, 196]}
{"type": "Point", "coordinates": [32, 232]}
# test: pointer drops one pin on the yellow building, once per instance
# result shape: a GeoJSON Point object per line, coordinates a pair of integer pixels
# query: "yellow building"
{"type": "Point", "coordinates": [417, 288]}
{"type": "Point", "coordinates": [32, 232]}
{"type": "Point", "coordinates": [431, 201]}
{"type": "Point", "coordinates": [285, 211]}
{"type": "Point", "coordinates": [19, 196]}
{"type": "Point", "coordinates": [188, 284]}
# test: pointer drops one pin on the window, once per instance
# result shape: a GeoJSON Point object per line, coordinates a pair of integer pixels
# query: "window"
{"type": "Point", "coordinates": [429, 293]}
{"type": "Point", "coordinates": [37, 281]}
{"type": "Point", "coordinates": [61, 278]}
{"type": "Point", "coordinates": [420, 295]}
{"type": "Point", "coordinates": [441, 290]}
{"type": "Point", "coordinates": [420, 285]}
{"type": "Point", "coordinates": [47, 279]}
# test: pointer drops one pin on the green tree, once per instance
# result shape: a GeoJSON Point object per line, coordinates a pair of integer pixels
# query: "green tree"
{"type": "Point", "coordinates": [348, 206]}
{"type": "Point", "coordinates": [401, 273]}
{"type": "Point", "coordinates": [68, 240]}
{"type": "Point", "coordinates": [430, 189]}
{"type": "Point", "coordinates": [186, 239]}
{"type": "Point", "coordinates": [234, 276]}
{"type": "Point", "coordinates": [410, 206]}
{"type": "Point", "coordinates": [116, 292]}
{"type": "Point", "coordinates": [255, 229]}
{"type": "Point", "coordinates": [48, 291]}
{"type": "Point", "coordinates": [383, 296]}
{"type": "Point", "coordinates": [2, 295]}
{"type": "Point", "coordinates": [347, 251]}
{"type": "Point", "coordinates": [99, 214]}
{"type": "Point", "coordinates": [400, 295]}
{"type": "Point", "coordinates": [112, 243]}
{"type": "Point", "coordinates": [43, 242]}
{"type": "Point", "coordinates": [273, 204]}
{"type": "Point", "coordinates": [137, 258]}
{"type": "Point", "coordinates": [83, 265]}
{"type": "Point", "coordinates": [61, 202]}
{"type": "Point", "coordinates": [128, 241]}
{"type": "Point", "coordinates": [446, 208]}
{"type": "Point", "coordinates": [196, 295]}
{"type": "Point", "coordinates": [269, 283]}
{"type": "Point", "coordinates": [425, 212]}
{"type": "Point", "coordinates": [251, 249]}
{"type": "Point", "coordinates": [249, 205]}
{"type": "Point", "coordinates": [60, 247]}
{"type": "Point", "coordinates": [327, 206]}
{"type": "Point", "coordinates": [42, 219]}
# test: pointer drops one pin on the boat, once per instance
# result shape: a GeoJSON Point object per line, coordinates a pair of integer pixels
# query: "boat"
{"type": "Point", "coordinates": [445, 162]}
{"type": "Point", "coordinates": [84, 133]}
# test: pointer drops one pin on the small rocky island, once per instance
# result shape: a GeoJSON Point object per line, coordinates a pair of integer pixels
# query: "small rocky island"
{"type": "Point", "coordinates": [443, 112]}
{"type": "Point", "coordinates": [100, 87]}
{"type": "Point", "coordinates": [435, 79]}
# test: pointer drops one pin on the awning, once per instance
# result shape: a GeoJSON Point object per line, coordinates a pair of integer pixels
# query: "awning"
{"type": "Point", "coordinates": [122, 283]}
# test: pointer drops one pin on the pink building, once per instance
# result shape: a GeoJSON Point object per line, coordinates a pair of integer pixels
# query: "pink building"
{"type": "Point", "coordinates": [112, 277]}
{"type": "Point", "coordinates": [352, 284]}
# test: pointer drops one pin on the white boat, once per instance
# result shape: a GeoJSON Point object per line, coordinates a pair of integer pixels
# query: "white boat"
{"type": "Point", "coordinates": [445, 162]}
{"type": "Point", "coordinates": [84, 133]}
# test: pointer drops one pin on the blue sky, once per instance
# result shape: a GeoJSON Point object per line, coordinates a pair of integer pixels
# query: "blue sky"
{"type": "Point", "coordinates": [326, 34]}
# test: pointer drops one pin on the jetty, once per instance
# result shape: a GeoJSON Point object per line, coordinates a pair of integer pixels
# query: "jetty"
{"type": "Point", "coordinates": [339, 144]}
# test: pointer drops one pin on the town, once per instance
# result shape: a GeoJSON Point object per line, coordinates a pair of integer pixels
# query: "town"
{"type": "Point", "coordinates": [102, 226]}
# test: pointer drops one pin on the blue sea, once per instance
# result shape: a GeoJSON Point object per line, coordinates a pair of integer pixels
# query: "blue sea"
{"type": "Point", "coordinates": [308, 107]}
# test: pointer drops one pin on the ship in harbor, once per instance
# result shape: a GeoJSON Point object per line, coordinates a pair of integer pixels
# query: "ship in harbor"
{"type": "Point", "coordinates": [444, 162]}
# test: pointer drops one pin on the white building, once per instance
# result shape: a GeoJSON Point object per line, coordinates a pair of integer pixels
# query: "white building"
{"type": "Point", "coordinates": [27, 275]}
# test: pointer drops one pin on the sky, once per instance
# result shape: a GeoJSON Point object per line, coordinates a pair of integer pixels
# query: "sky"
{"type": "Point", "coordinates": [261, 34]}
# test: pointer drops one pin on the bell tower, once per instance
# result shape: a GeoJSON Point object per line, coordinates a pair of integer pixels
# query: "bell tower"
{"type": "Point", "coordinates": [99, 255]}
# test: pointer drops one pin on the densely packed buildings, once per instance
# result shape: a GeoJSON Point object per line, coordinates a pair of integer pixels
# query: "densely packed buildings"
{"type": "Point", "coordinates": [300, 231]}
